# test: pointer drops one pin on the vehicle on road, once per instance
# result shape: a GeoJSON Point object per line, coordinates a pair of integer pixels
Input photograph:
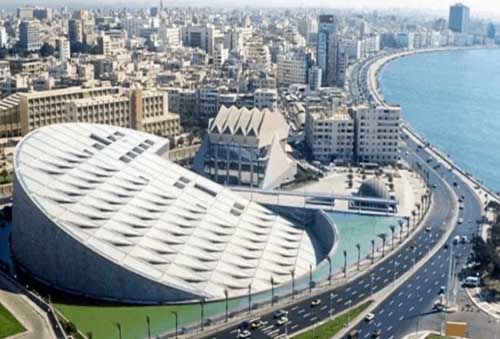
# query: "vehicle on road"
{"type": "Point", "coordinates": [460, 220]}
{"type": "Point", "coordinates": [471, 281]}
{"type": "Point", "coordinates": [377, 333]}
{"type": "Point", "coordinates": [456, 240]}
{"type": "Point", "coordinates": [280, 313]}
{"type": "Point", "coordinates": [446, 246]}
{"type": "Point", "coordinates": [282, 321]}
{"type": "Point", "coordinates": [354, 334]}
{"type": "Point", "coordinates": [315, 302]}
{"type": "Point", "coordinates": [369, 317]}
{"type": "Point", "coordinates": [464, 239]}
{"type": "Point", "coordinates": [434, 186]}
{"type": "Point", "coordinates": [244, 334]}
{"type": "Point", "coordinates": [244, 325]}
{"type": "Point", "coordinates": [258, 323]}
{"type": "Point", "coordinates": [428, 228]}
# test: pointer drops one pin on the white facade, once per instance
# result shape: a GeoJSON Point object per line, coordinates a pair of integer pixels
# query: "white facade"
{"type": "Point", "coordinates": [265, 98]}
{"type": "Point", "coordinates": [330, 133]}
{"type": "Point", "coordinates": [378, 131]}
{"type": "Point", "coordinates": [64, 49]}
{"type": "Point", "coordinates": [113, 218]}
{"type": "Point", "coordinates": [292, 68]}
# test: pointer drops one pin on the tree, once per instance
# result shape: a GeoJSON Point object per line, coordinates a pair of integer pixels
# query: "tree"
{"type": "Point", "coordinates": [46, 50]}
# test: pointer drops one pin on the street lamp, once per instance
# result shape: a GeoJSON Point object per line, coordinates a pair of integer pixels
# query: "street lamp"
{"type": "Point", "coordinates": [272, 291]}
{"type": "Point", "coordinates": [371, 285]}
{"type": "Point", "coordinates": [331, 305]}
{"type": "Point", "coordinates": [148, 322]}
{"type": "Point", "coordinates": [400, 223]}
{"type": "Point", "coordinates": [250, 298]}
{"type": "Point", "coordinates": [396, 264]}
{"type": "Point", "coordinates": [226, 295]}
{"type": "Point", "coordinates": [393, 228]}
{"type": "Point", "coordinates": [373, 251]}
{"type": "Point", "coordinates": [119, 327]}
{"type": "Point", "coordinates": [345, 263]}
{"type": "Point", "coordinates": [358, 247]}
{"type": "Point", "coordinates": [202, 304]}
{"type": "Point", "coordinates": [176, 322]}
{"type": "Point", "coordinates": [310, 278]}
{"type": "Point", "coordinates": [329, 270]}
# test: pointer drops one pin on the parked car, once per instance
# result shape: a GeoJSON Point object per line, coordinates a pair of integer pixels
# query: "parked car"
{"type": "Point", "coordinates": [369, 317]}
{"type": "Point", "coordinates": [315, 302]}
{"type": "Point", "coordinates": [281, 321]}
{"type": "Point", "coordinates": [280, 313]}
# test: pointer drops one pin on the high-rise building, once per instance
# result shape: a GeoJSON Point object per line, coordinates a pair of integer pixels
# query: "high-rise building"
{"type": "Point", "coordinates": [75, 32]}
{"type": "Point", "coordinates": [4, 38]}
{"type": "Point", "coordinates": [25, 13]}
{"type": "Point", "coordinates": [29, 36]}
{"type": "Point", "coordinates": [326, 55]}
{"type": "Point", "coordinates": [292, 68]}
{"type": "Point", "coordinates": [459, 18]}
{"type": "Point", "coordinates": [314, 78]}
{"type": "Point", "coordinates": [64, 49]}
{"type": "Point", "coordinates": [491, 31]}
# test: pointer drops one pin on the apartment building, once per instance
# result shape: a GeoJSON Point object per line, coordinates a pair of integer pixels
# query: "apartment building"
{"type": "Point", "coordinates": [330, 133]}
{"type": "Point", "coordinates": [353, 134]}
{"type": "Point", "coordinates": [292, 68]}
{"type": "Point", "coordinates": [378, 130]}
{"type": "Point", "coordinates": [138, 109]}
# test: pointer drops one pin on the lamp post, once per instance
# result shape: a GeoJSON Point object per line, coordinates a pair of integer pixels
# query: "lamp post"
{"type": "Point", "coordinates": [119, 328]}
{"type": "Point", "coordinates": [272, 291]}
{"type": "Point", "coordinates": [202, 304]}
{"type": "Point", "coordinates": [331, 305]}
{"type": "Point", "coordinates": [393, 228]}
{"type": "Point", "coordinates": [329, 270]}
{"type": "Point", "coordinates": [310, 278]}
{"type": "Point", "coordinates": [373, 251]}
{"type": "Point", "coordinates": [226, 295]}
{"type": "Point", "coordinates": [371, 285]}
{"type": "Point", "coordinates": [249, 298]}
{"type": "Point", "coordinates": [345, 263]}
{"type": "Point", "coordinates": [176, 322]}
{"type": "Point", "coordinates": [400, 223]}
{"type": "Point", "coordinates": [148, 322]}
{"type": "Point", "coordinates": [358, 247]}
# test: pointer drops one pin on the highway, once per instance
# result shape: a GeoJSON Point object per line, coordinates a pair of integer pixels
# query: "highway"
{"type": "Point", "coordinates": [302, 315]}
{"type": "Point", "coordinates": [400, 313]}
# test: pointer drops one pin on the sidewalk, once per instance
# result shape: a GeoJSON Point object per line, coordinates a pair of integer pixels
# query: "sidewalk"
{"type": "Point", "coordinates": [28, 314]}
{"type": "Point", "coordinates": [492, 309]}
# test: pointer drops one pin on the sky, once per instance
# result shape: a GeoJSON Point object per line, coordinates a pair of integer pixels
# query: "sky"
{"type": "Point", "coordinates": [478, 7]}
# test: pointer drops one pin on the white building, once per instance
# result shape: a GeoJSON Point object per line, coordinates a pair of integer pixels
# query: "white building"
{"type": "Point", "coordinates": [246, 147]}
{"type": "Point", "coordinates": [378, 131]}
{"type": "Point", "coordinates": [112, 218]}
{"type": "Point", "coordinates": [330, 133]}
{"type": "Point", "coordinates": [265, 98]}
{"type": "Point", "coordinates": [292, 68]}
{"type": "Point", "coordinates": [64, 49]}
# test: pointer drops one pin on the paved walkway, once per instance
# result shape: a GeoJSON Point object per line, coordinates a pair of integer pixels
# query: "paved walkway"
{"type": "Point", "coordinates": [27, 313]}
{"type": "Point", "coordinates": [491, 308]}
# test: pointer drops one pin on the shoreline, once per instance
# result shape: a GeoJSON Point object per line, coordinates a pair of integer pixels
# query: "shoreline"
{"type": "Point", "coordinates": [374, 89]}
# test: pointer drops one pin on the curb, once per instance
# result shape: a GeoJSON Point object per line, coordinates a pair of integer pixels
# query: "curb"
{"type": "Point", "coordinates": [478, 305]}
{"type": "Point", "coordinates": [403, 278]}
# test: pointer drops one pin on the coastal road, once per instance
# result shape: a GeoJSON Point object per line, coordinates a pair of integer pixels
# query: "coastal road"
{"type": "Point", "coordinates": [301, 315]}
{"type": "Point", "coordinates": [403, 311]}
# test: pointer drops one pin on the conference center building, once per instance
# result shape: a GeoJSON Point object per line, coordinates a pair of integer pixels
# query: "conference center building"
{"type": "Point", "coordinates": [100, 211]}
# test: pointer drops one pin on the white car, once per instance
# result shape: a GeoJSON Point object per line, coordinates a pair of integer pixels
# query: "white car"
{"type": "Point", "coordinates": [282, 321]}
{"type": "Point", "coordinates": [369, 317]}
{"type": "Point", "coordinates": [244, 334]}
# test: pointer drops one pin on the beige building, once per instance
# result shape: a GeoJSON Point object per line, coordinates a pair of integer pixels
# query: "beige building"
{"type": "Point", "coordinates": [144, 110]}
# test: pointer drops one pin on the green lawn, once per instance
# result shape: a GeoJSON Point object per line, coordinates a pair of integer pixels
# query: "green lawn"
{"type": "Point", "coordinates": [8, 324]}
{"type": "Point", "coordinates": [435, 336]}
{"type": "Point", "coordinates": [330, 328]}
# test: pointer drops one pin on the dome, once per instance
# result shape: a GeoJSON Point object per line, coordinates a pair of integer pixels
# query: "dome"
{"type": "Point", "coordinates": [373, 188]}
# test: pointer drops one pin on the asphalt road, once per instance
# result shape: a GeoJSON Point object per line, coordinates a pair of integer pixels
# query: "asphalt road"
{"type": "Point", "coordinates": [407, 307]}
{"type": "Point", "coordinates": [430, 278]}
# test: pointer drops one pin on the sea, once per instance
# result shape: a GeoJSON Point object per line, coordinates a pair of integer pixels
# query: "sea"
{"type": "Point", "coordinates": [452, 99]}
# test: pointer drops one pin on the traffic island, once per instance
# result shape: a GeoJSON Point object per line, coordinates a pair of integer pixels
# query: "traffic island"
{"type": "Point", "coordinates": [9, 325]}
{"type": "Point", "coordinates": [330, 328]}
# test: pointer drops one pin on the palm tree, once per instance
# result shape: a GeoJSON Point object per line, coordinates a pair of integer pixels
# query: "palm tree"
{"type": "Point", "coordinates": [373, 250]}
{"type": "Point", "coordinates": [400, 223]}
{"type": "Point", "coordinates": [383, 236]}
{"type": "Point", "coordinates": [345, 263]}
{"type": "Point", "coordinates": [418, 205]}
{"type": "Point", "coordinates": [393, 228]}
{"type": "Point", "coordinates": [358, 247]}
{"type": "Point", "coordinates": [414, 215]}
